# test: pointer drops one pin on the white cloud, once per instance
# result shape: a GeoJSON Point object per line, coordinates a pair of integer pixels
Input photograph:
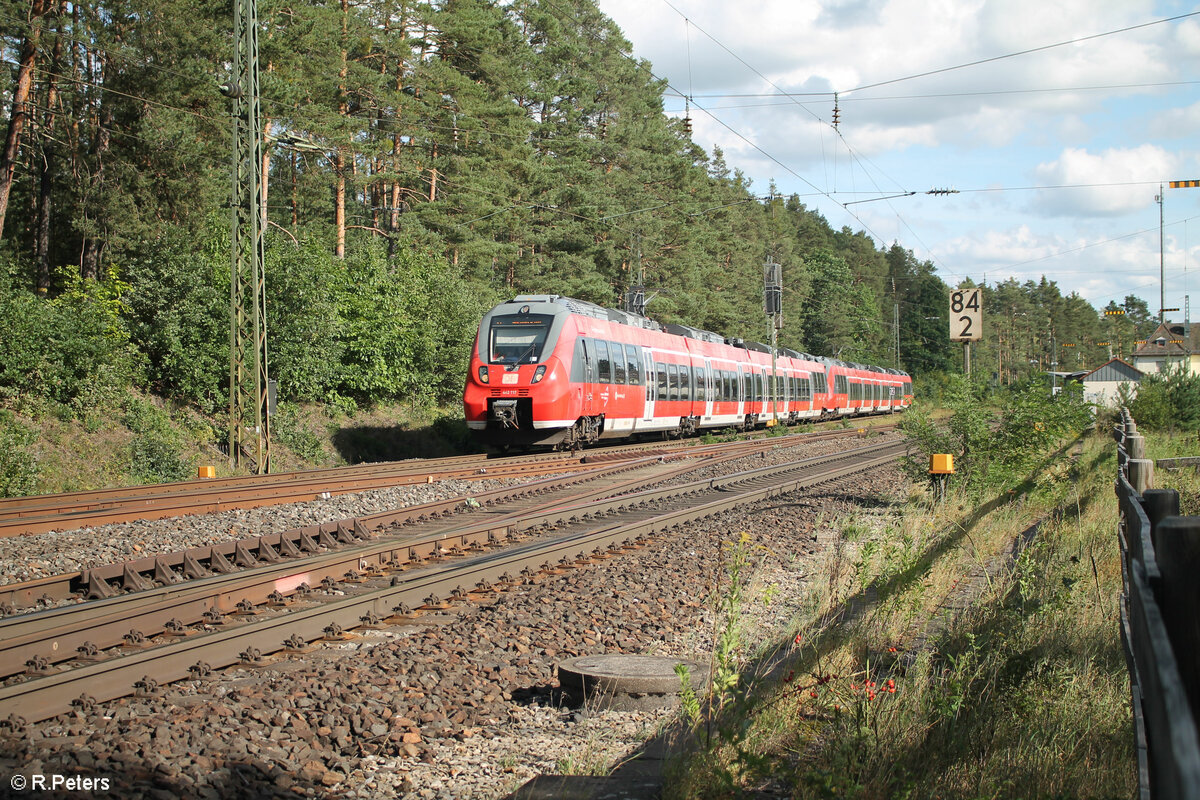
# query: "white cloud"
{"type": "Point", "coordinates": [1078, 167]}
{"type": "Point", "coordinates": [1012, 122]}
{"type": "Point", "coordinates": [1177, 122]}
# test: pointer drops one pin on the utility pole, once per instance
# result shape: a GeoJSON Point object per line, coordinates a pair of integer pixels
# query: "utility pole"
{"type": "Point", "coordinates": [1053, 364]}
{"type": "Point", "coordinates": [1162, 291]}
{"type": "Point", "coordinates": [773, 306]}
{"type": "Point", "coordinates": [249, 384]}
{"type": "Point", "coordinates": [896, 321]}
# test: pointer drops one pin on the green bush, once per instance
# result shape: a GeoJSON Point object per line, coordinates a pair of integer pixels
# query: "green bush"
{"type": "Point", "coordinates": [155, 453]}
{"type": "Point", "coordinates": [1168, 401]}
{"type": "Point", "coordinates": [19, 470]}
{"type": "Point", "coordinates": [72, 350]}
{"type": "Point", "coordinates": [368, 328]}
{"type": "Point", "coordinates": [287, 430]}
{"type": "Point", "coordinates": [178, 315]}
{"type": "Point", "coordinates": [997, 440]}
{"type": "Point", "coordinates": [409, 323]}
{"type": "Point", "coordinates": [154, 458]}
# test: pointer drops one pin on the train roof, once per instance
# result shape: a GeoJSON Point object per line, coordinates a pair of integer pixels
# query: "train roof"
{"type": "Point", "coordinates": [586, 309]}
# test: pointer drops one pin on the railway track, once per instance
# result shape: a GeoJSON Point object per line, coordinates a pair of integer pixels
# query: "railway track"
{"type": "Point", "coordinates": [151, 637]}
{"type": "Point", "coordinates": [41, 513]}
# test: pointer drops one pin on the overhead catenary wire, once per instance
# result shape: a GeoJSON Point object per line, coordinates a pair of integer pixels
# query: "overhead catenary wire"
{"type": "Point", "coordinates": [1042, 48]}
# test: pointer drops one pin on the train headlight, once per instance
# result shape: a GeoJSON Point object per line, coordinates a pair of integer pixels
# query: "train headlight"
{"type": "Point", "coordinates": [483, 374]}
{"type": "Point", "coordinates": [539, 373]}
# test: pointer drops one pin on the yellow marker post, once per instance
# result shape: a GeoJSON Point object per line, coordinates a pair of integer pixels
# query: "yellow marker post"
{"type": "Point", "coordinates": [941, 467]}
{"type": "Point", "coordinates": [205, 473]}
{"type": "Point", "coordinates": [941, 464]}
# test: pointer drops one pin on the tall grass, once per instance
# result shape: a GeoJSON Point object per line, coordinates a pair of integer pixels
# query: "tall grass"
{"type": "Point", "coordinates": [963, 652]}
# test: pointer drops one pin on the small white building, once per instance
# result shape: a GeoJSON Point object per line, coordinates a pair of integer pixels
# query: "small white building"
{"type": "Point", "coordinates": [1103, 384]}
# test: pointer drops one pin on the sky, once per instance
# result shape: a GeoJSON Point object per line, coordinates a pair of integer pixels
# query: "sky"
{"type": "Point", "coordinates": [1057, 142]}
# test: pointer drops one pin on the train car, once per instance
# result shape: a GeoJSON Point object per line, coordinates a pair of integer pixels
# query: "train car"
{"type": "Point", "coordinates": [551, 370]}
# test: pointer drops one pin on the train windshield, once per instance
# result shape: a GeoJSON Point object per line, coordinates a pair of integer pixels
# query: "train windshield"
{"type": "Point", "coordinates": [518, 338]}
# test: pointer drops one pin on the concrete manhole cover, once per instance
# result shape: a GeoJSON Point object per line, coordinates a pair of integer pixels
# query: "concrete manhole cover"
{"type": "Point", "coordinates": [627, 682]}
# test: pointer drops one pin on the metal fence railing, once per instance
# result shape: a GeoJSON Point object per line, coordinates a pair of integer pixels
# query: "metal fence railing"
{"type": "Point", "coordinates": [1160, 623]}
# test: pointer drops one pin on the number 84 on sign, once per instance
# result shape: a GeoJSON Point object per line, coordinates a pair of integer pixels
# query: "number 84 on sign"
{"type": "Point", "coordinates": [966, 315]}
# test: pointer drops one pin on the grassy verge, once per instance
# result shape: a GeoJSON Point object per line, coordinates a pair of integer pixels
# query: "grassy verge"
{"type": "Point", "coordinates": [961, 651]}
{"type": "Point", "coordinates": [145, 439]}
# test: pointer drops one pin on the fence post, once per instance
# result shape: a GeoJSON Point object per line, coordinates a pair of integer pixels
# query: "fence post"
{"type": "Point", "coordinates": [1141, 474]}
{"type": "Point", "coordinates": [1159, 504]}
{"type": "Point", "coordinates": [1177, 546]}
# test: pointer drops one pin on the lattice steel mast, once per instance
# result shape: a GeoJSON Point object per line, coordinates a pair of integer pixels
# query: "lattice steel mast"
{"type": "Point", "coordinates": [248, 382]}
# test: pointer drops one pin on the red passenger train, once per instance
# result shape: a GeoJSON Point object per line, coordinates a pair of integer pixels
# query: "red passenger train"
{"type": "Point", "coordinates": [550, 370]}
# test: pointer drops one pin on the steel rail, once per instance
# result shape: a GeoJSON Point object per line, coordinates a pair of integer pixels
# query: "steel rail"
{"type": "Point", "coordinates": [49, 695]}
{"type": "Point", "coordinates": [42, 513]}
{"type": "Point", "coordinates": [137, 574]}
{"type": "Point", "coordinates": [55, 635]}
{"type": "Point", "coordinates": [206, 500]}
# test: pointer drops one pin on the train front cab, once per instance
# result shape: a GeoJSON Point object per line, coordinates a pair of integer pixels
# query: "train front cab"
{"type": "Point", "coordinates": [522, 352]}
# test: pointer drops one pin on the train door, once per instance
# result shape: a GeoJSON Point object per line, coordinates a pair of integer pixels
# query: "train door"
{"type": "Point", "coordinates": [783, 386]}
{"type": "Point", "coordinates": [587, 388]}
{"type": "Point", "coordinates": [651, 383]}
{"type": "Point", "coordinates": [741, 392]}
{"type": "Point", "coordinates": [708, 389]}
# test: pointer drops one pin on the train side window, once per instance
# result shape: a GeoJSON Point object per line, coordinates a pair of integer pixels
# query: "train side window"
{"type": "Point", "coordinates": [661, 369]}
{"type": "Point", "coordinates": [727, 385]}
{"type": "Point", "coordinates": [618, 359]}
{"type": "Point", "coordinates": [605, 371]}
{"type": "Point", "coordinates": [759, 393]}
{"type": "Point", "coordinates": [685, 382]}
{"type": "Point", "coordinates": [673, 381]}
{"type": "Point", "coordinates": [631, 361]}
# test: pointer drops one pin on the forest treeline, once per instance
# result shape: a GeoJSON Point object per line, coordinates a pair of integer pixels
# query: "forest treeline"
{"type": "Point", "coordinates": [424, 160]}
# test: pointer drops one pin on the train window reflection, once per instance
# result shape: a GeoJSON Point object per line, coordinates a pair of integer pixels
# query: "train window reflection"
{"type": "Point", "coordinates": [518, 338]}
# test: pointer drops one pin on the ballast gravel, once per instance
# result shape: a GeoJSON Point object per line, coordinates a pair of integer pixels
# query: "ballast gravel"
{"type": "Point", "coordinates": [461, 705]}
{"type": "Point", "coordinates": [39, 555]}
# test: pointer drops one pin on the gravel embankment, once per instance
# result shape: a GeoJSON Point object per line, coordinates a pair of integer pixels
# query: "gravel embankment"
{"type": "Point", "coordinates": [463, 706]}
